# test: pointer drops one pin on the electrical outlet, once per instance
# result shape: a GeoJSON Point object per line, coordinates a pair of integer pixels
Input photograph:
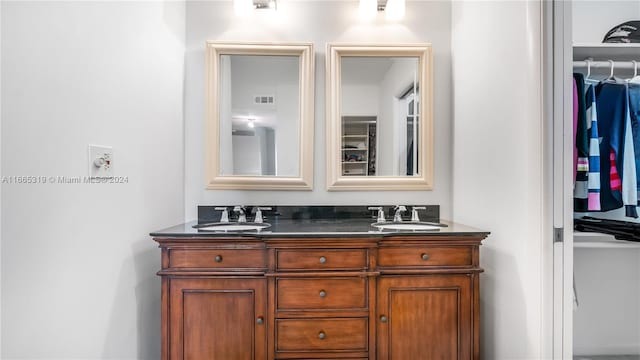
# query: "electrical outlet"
{"type": "Point", "coordinates": [100, 161]}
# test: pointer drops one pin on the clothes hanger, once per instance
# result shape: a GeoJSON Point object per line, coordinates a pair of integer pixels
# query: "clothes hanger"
{"type": "Point", "coordinates": [611, 78]}
{"type": "Point", "coordinates": [636, 78]}
{"type": "Point", "coordinates": [588, 78]}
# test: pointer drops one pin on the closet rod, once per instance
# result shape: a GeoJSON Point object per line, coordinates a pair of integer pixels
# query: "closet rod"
{"type": "Point", "coordinates": [607, 64]}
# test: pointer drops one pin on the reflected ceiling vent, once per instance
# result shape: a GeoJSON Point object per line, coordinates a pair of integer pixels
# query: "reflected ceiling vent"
{"type": "Point", "coordinates": [264, 100]}
{"type": "Point", "coordinates": [245, 7]}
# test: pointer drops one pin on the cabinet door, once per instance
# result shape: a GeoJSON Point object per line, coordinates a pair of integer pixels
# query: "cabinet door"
{"type": "Point", "coordinates": [217, 319]}
{"type": "Point", "coordinates": [425, 317]}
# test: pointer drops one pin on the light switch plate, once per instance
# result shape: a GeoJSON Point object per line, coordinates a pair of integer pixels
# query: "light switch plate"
{"type": "Point", "coordinates": [100, 161]}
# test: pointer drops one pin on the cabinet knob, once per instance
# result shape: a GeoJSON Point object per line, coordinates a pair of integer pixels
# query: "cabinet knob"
{"type": "Point", "coordinates": [383, 319]}
{"type": "Point", "coordinates": [323, 293]}
{"type": "Point", "coordinates": [322, 335]}
{"type": "Point", "coordinates": [425, 257]}
{"type": "Point", "coordinates": [323, 259]}
{"type": "Point", "coordinates": [260, 320]}
{"type": "Point", "coordinates": [218, 258]}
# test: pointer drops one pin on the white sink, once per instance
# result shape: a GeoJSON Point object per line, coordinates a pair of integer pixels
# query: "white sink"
{"type": "Point", "coordinates": [232, 227]}
{"type": "Point", "coordinates": [408, 226]}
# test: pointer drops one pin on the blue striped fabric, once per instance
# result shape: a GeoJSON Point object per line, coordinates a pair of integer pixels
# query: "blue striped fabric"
{"type": "Point", "coordinates": [594, 151]}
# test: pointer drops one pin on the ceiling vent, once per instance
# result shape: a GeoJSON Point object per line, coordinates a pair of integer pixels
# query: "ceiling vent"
{"type": "Point", "coordinates": [264, 100]}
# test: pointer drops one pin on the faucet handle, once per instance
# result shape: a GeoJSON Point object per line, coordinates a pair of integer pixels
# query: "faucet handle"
{"type": "Point", "coordinates": [414, 212]}
{"type": "Point", "coordinates": [225, 213]}
{"type": "Point", "coordinates": [259, 218]}
{"type": "Point", "coordinates": [380, 209]}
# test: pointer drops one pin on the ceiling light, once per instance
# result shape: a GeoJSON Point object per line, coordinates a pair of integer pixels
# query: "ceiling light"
{"type": "Point", "coordinates": [251, 123]}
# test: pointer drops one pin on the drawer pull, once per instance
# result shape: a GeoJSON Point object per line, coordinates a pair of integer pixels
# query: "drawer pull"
{"type": "Point", "coordinates": [322, 335]}
{"type": "Point", "coordinates": [260, 320]}
{"type": "Point", "coordinates": [323, 293]}
{"type": "Point", "coordinates": [218, 258]}
{"type": "Point", "coordinates": [425, 257]}
{"type": "Point", "coordinates": [383, 319]}
{"type": "Point", "coordinates": [323, 259]}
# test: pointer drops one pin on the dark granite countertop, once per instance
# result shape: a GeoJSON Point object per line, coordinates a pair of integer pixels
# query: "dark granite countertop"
{"type": "Point", "coordinates": [314, 228]}
{"type": "Point", "coordinates": [316, 221]}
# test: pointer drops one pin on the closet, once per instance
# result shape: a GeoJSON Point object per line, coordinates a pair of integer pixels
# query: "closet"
{"type": "Point", "coordinates": [606, 269]}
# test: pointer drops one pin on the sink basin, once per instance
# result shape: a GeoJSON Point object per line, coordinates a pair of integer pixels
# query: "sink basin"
{"type": "Point", "coordinates": [231, 227]}
{"type": "Point", "coordinates": [408, 226]}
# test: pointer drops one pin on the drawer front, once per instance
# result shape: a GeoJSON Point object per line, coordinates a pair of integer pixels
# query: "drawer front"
{"type": "Point", "coordinates": [223, 258]}
{"type": "Point", "coordinates": [322, 259]}
{"type": "Point", "coordinates": [337, 334]}
{"type": "Point", "coordinates": [425, 256]}
{"type": "Point", "coordinates": [321, 294]}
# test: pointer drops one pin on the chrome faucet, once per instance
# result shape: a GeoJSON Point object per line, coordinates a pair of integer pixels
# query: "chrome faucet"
{"type": "Point", "coordinates": [414, 213]}
{"type": "Point", "coordinates": [225, 214]}
{"type": "Point", "coordinates": [398, 215]}
{"type": "Point", "coordinates": [242, 217]}
{"type": "Point", "coordinates": [380, 209]}
{"type": "Point", "coordinates": [258, 219]}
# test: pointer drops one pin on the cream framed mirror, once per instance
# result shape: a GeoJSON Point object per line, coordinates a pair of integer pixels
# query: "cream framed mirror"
{"type": "Point", "coordinates": [379, 117]}
{"type": "Point", "coordinates": [259, 116]}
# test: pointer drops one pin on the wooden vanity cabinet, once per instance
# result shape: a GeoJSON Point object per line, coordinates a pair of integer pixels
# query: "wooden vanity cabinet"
{"type": "Point", "coordinates": [217, 318]}
{"type": "Point", "coordinates": [406, 298]}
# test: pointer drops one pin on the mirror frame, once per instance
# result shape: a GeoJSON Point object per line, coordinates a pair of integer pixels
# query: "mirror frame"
{"type": "Point", "coordinates": [304, 180]}
{"type": "Point", "coordinates": [335, 180]}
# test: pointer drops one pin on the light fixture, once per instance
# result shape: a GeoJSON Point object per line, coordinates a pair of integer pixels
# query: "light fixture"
{"type": "Point", "coordinates": [251, 123]}
{"type": "Point", "coordinates": [244, 7]}
{"type": "Point", "coordinates": [394, 10]}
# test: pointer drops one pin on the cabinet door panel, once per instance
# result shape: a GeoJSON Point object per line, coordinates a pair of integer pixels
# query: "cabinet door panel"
{"type": "Point", "coordinates": [425, 317]}
{"type": "Point", "coordinates": [216, 319]}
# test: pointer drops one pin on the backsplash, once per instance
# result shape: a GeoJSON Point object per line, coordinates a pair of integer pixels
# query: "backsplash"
{"type": "Point", "coordinates": [207, 213]}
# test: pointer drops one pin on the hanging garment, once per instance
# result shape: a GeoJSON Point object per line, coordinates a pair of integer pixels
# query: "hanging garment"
{"type": "Point", "coordinates": [610, 102]}
{"type": "Point", "coordinates": [634, 112]}
{"type": "Point", "coordinates": [580, 191]}
{"type": "Point", "coordinates": [594, 151]}
{"type": "Point", "coordinates": [629, 180]}
{"type": "Point", "coordinates": [575, 128]}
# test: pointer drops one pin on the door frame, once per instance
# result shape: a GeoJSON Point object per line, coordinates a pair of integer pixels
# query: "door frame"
{"type": "Point", "coordinates": [558, 243]}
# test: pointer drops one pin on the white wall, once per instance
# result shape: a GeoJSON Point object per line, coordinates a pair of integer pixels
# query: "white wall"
{"type": "Point", "coordinates": [357, 99]}
{"type": "Point", "coordinates": [318, 22]}
{"type": "Point", "coordinates": [78, 266]}
{"type": "Point", "coordinates": [592, 19]}
{"type": "Point", "coordinates": [607, 318]}
{"type": "Point", "coordinates": [497, 173]}
{"type": "Point", "coordinates": [1, 183]}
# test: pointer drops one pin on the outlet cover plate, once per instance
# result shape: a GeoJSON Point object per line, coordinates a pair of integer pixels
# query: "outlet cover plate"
{"type": "Point", "coordinates": [104, 156]}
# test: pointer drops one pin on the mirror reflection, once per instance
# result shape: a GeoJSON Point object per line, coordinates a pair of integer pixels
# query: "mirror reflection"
{"type": "Point", "coordinates": [259, 115]}
{"type": "Point", "coordinates": [379, 114]}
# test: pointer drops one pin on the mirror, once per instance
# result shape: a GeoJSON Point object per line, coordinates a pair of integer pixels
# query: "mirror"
{"type": "Point", "coordinates": [259, 116]}
{"type": "Point", "coordinates": [379, 126]}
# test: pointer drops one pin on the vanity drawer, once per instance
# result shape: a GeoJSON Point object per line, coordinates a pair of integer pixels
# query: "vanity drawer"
{"type": "Point", "coordinates": [321, 294]}
{"type": "Point", "coordinates": [316, 335]}
{"type": "Point", "coordinates": [426, 256]}
{"type": "Point", "coordinates": [322, 259]}
{"type": "Point", "coordinates": [222, 258]}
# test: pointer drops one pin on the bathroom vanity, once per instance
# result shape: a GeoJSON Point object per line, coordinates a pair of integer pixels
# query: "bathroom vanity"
{"type": "Point", "coordinates": [314, 287]}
